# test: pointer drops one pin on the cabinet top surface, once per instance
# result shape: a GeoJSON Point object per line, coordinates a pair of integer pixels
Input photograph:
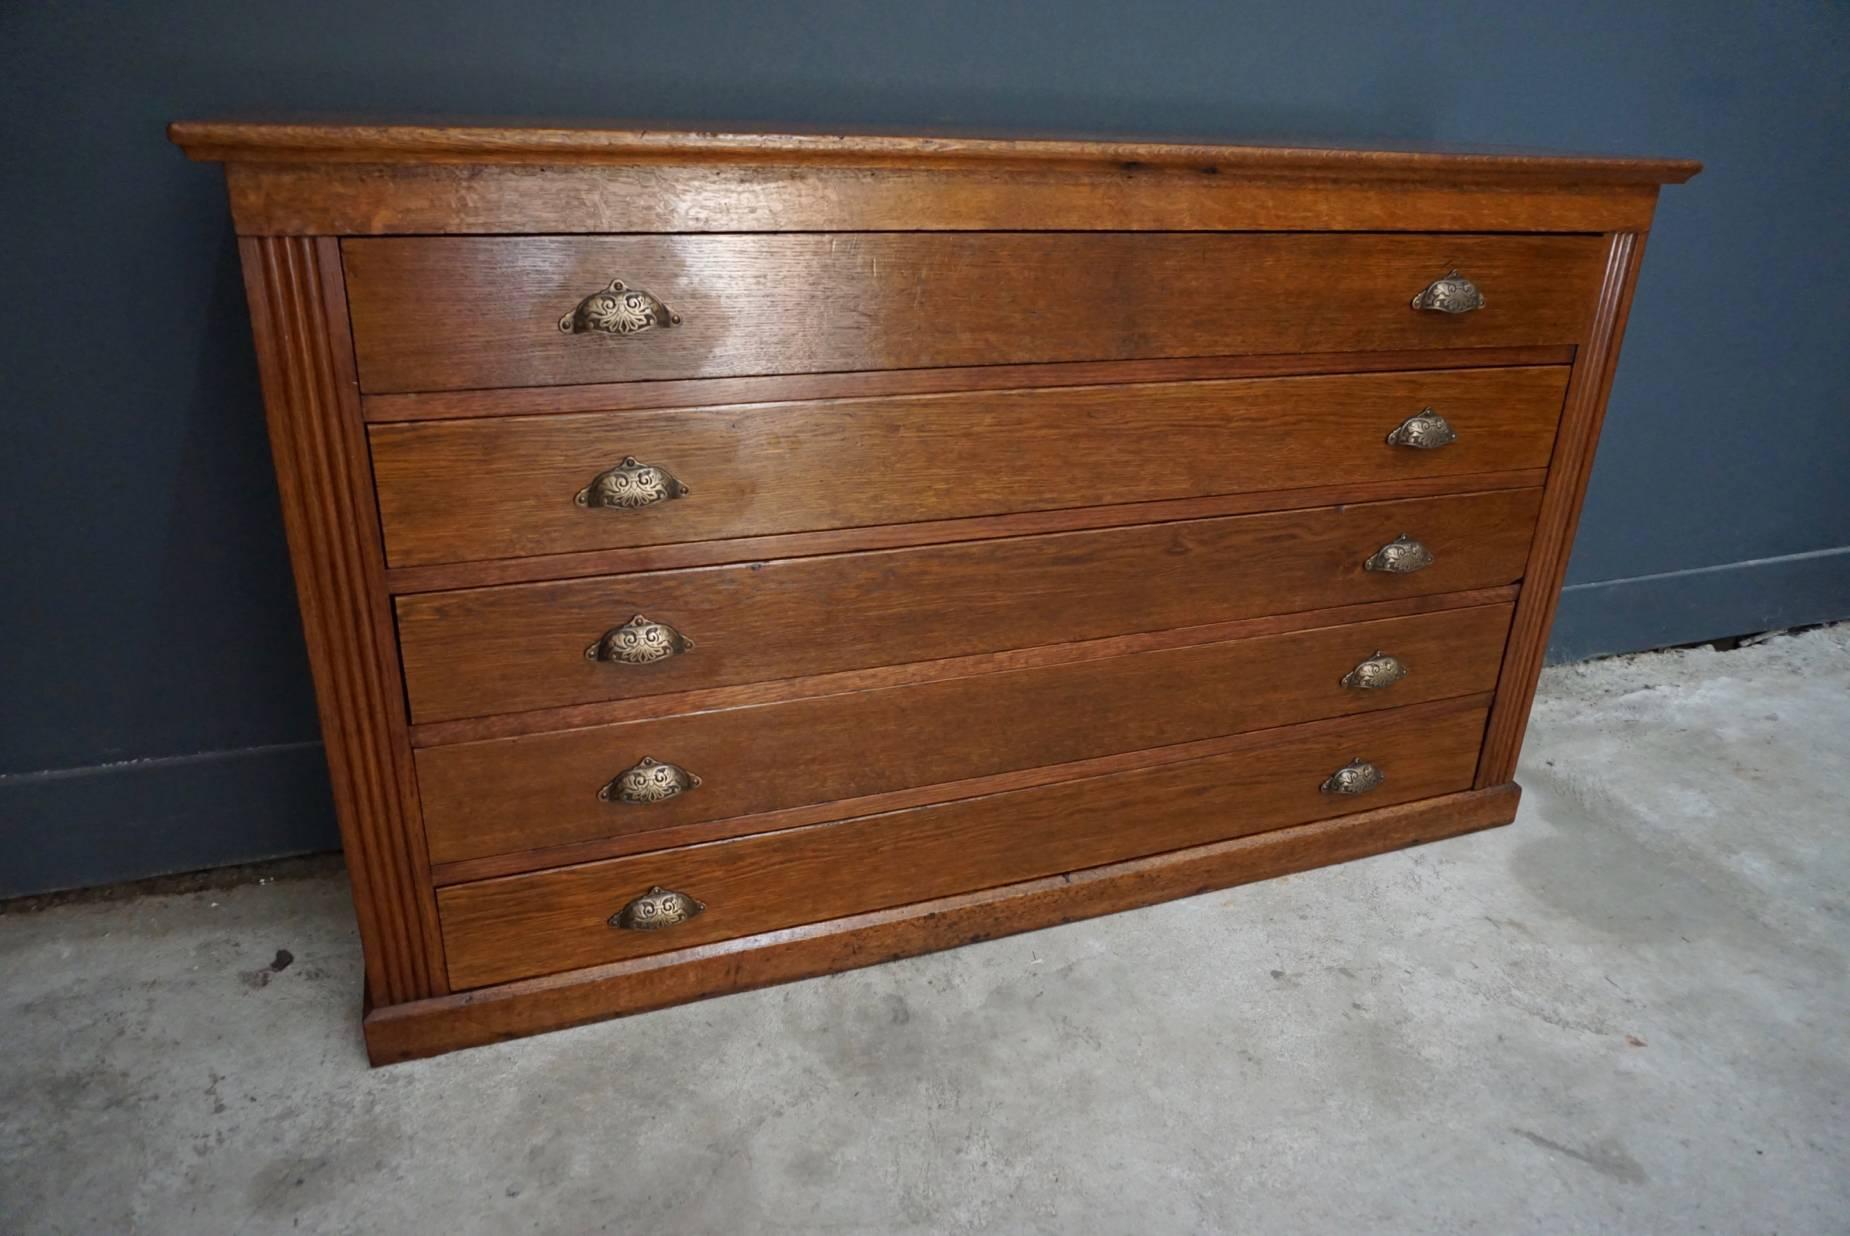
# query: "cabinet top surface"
{"type": "Point", "coordinates": [271, 141]}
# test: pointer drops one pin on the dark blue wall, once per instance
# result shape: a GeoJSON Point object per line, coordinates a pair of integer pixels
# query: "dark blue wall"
{"type": "Point", "coordinates": [158, 714]}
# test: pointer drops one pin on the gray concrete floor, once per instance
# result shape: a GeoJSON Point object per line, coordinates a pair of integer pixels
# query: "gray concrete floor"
{"type": "Point", "coordinates": [1626, 1013]}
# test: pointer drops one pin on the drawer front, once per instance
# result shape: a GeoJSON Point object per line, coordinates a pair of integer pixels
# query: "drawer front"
{"type": "Point", "coordinates": [492, 650]}
{"type": "Point", "coordinates": [519, 926]}
{"type": "Point", "coordinates": [500, 796]}
{"type": "Point", "coordinates": [503, 488]}
{"type": "Point", "coordinates": [453, 313]}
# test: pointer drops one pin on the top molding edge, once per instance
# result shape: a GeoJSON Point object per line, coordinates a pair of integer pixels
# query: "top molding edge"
{"type": "Point", "coordinates": [272, 143]}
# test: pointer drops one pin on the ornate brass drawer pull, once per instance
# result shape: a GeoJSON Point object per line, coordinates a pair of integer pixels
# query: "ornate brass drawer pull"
{"type": "Point", "coordinates": [618, 310]}
{"type": "Point", "coordinates": [640, 641]}
{"type": "Point", "coordinates": [1451, 294]}
{"type": "Point", "coordinates": [1358, 776]}
{"type": "Point", "coordinates": [1425, 430]}
{"type": "Point", "coordinates": [631, 484]}
{"type": "Point", "coordinates": [1380, 670]}
{"type": "Point", "coordinates": [649, 781]}
{"type": "Point", "coordinates": [659, 907]}
{"type": "Point", "coordinates": [1401, 556]}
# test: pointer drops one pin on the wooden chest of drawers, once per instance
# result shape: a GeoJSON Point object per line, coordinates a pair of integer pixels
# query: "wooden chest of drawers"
{"type": "Point", "coordinates": [726, 559]}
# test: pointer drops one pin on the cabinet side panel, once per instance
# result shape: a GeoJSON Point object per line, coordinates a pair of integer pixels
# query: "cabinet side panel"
{"type": "Point", "coordinates": [1568, 473]}
{"type": "Point", "coordinates": [305, 358]}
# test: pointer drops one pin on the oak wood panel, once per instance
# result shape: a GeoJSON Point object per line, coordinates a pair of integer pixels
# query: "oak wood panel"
{"type": "Point", "coordinates": [499, 488]}
{"type": "Point", "coordinates": [481, 199]}
{"type": "Point", "coordinates": [516, 862]}
{"type": "Point", "coordinates": [1560, 512]}
{"type": "Point", "coordinates": [444, 576]}
{"type": "Point", "coordinates": [783, 387]}
{"type": "Point", "coordinates": [425, 141]}
{"type": "Point", "coordinates": [616, 846]}
{"type": "Point", "coordinates": [445, 313]}
{"type": "Point", "coordinates": [488, 650]}
{"type": "Point", "coordinates": [672, 703]}
{"type": "Point", "coordinates": [495, 797]}
{"type": "Point", "coordinates": [305, 361]}
{"type": "Point", "coordinates": [530, 1006]}
{"type": "Point", "coordinates": [520, 926]}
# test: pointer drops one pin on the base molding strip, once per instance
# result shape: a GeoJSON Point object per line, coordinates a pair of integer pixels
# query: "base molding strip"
{"type": "Point", "coordinates": [512, 1010]}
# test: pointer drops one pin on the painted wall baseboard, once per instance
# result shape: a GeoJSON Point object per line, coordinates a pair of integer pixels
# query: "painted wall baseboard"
{"type": "Point", "coordinates": [82, 827]}
{"type": "Point", "coordinates": [1687, 607]}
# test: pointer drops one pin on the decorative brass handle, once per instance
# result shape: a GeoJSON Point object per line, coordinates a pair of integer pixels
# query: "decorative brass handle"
{"type": "Point", "coordinates": [659, 907]}
{"type": "Point", "coordinates": [640, 641]}
{"type": "Point", "coordinates": [618, 310]}
{"type": "Point", "coordinates": [1452, 294]}
{"type": "Point", "coordinates": [1425, 430]}
{"type": "Point", "coordinates": [1358, 776]}
{"type": "Point", "coordinates": [649, 781]}
{"type": "Point", "coordinates": [1401, 556]}
{"type": "Point", "coordinates": [630, 485]}
{"type": "Point", "coordinates": [1378, 671]}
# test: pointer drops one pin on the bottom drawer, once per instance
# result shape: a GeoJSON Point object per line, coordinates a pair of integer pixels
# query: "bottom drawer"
{"type": "Point", "coordinates": [516, 927]}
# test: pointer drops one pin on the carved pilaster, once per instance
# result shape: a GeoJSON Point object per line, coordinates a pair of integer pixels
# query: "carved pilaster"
{"type": "Point", "coordinates": [299, 313]}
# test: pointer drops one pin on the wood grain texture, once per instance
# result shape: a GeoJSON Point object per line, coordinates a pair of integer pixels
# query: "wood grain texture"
{"type": "Point", "coordinates": [445, 576]}
{"type": "Point", "coordinates": [483, 199]}
{"type": "Point", "coordinates": [501, 488]}
{"type": "Point", "coordinates": [867, 384]}
{"type": "Point", "coordinates": [305, 360]}
{"type": "Point", "coordinates": [496, 797]}
{"type": "Point", "coordinates": [426, 142]}
{"type": "Point", "coordinates": [430, 178]}
{"type": "Point", "coordinates": [489, 650]}
{"type": "Point", "coordinates": [495, 1014]}
{"type": "Point", "coordinates": [460, 312]}
{"type": "Point", "coordinates": [1560, 511]}
{"type": "Point", "coordinates": [520, 861]}
{"type": "Point", "coordinates": [500, 930]}
{"type": "Point", "coordinates": [674, 703]}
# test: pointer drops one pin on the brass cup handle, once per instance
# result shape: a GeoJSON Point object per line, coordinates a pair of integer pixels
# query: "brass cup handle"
{"type": "Point", "coordinates": [1401, 556]}
{"type": "Point", "coordinates": [618, 310]}
{"type": "Point", "coordinates": [659, 907]}
{"type": "Point", "coordinates": [629, 485]}
{"type": "Point", "coordinates": [1358, 776]}
{"type": "Point", "coordinates": [640, 641]}
{"type": "Point", "coordinates": [647, 781]}
{"type": "Point", "coordinates": [1425, 430]}
{"type": "Point", "coordinates": [1378, 671]}
{"type": "Point", "coordinates": [1451, 293]}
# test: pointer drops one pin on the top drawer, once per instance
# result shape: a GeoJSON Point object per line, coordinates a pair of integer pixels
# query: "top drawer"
{"type": "Point", "coordinates": [452, 313]}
